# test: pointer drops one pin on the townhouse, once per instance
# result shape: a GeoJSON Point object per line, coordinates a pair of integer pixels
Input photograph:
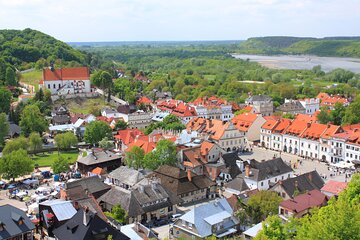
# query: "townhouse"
{"type": "Point", "coordinates": [311, 105]}
{"type": "Point", "coordinates": [213, 108]}
{"type": "Point", "coordinates": [271, 133]}
{"type": "Point", "coordinates": [261, 104]}
{"type": "Point", "coordinates": [329, 101]}
{"type": "Point", "coordinates": [225, 134]}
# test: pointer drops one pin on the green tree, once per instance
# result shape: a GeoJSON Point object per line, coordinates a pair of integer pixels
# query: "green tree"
{"type": "Point", "coordinates": [10, 77]}
{"type": "Point", "coordinates": [288, 115]}
{"type": "Point", "coordinates": [35, 141]}
{"type": "Point", "coordinates": [5, 96]}
{"type": "Point", "coordinates": [16, 144]}
{"type": "Point", "coordinates": [118, 213]}
{"type": "Point", "coordinates": [106, 144]}
{"type": "Point", "coordinates": [135, 157]}
{"type": "Point", "coordinates": [31, 120]}
{"type": "Point", "coordinates": [66, 140]}
{"type": "Point", "coordinates": [352, 112]}
{"type": "Point", "coordinates": [164, 154]}
{"type": "Point", "coordinates": [121, 125]}
{"type": "Point", "coordinates": [324, 116]}
{"type": "Point", "coordinates": [3, 67]}
{"type": "Point", "coordinates": [338, 113]}
{"type": "Point", "coordinates": [4, 128]}
{"type": "Point", "coordinates": [60, 165]}
{"type": "Point", "coordinates": [106, 83]}
{"type": "Point", "coordinates": [16, 164]}
{"type": "Point", "coordinates": [96, 131]}
{"type": "Point", "coordinates": [272, 229]}
{"type": "Point", "coordinates": [262, 204]}
{"type": "Point", "coordinates": [39, 95]}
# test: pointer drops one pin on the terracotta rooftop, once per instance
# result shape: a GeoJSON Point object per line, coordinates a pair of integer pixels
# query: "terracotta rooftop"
{"type": "Point", "coordinates": [80, 73]}
{"type": "Point", "coordinates": [128, 136]}
{"type": "Point", "coordinates": [243, 121]}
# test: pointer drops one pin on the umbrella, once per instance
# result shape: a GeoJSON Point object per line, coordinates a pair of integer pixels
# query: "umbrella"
{"type": "Point", "coordinates": [26, 198]}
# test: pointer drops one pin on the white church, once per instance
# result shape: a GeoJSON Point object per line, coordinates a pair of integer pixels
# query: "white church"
{"type": "Point", "coordinates": [65, 81]}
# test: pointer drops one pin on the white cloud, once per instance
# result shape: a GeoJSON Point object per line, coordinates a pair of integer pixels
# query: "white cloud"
{"type": "Point", "coordinates": [94, 20]}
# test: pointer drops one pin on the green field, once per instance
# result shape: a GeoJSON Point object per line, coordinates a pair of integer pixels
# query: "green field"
{"type": "Point", "coordinates": [32, 78]}
{"type": "Point", "coordinates": [47, 159]}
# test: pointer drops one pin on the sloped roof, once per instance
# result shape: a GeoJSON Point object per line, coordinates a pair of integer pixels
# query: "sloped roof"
{"type": "Point", "coordinates": [238, 184]}
{"type": "Point", "coordinates": [11, 228]}
{"type": "Point", "coordinates": [75, 229]}
{"type": "Point", "coordinates": [334, 187]}
{"type": "Point", "coordinates": [230, 163]}
{"type": "Point", "coordinates": [291, 106]}
{"type": "Point", "coordinates": [259, 98]}
{"type": "Point", "coordinates": [267, 169]}
{"type": "Point", "coordinates": [302, 183]}
{"type": "Point", "coordinates": [92, 184]}
{"type": "Point", "coordinates": [305, 201]}
{"type": "Point", "coordinates": [203, 216]}
{"type": "Point", "coordinates": [314, 131]}
{"type": "Point", "coordinates": [99, 156]}
{"type": "Point", "coordinates": [127, 175]}
{"type": "Point", "coordinates": [270, 124]}
{"type": "Point", "coordinates": [143, 100]}
{"type": "Point", "coordinates": [128, 136]}
{"type": "Point", "coordinates": [79, 73]}
{"type": "Point", "coordinates": [215, 128]}
{"type": "Point", "coordinates": [184, 110]}
{"type": "Point", "coordinates": [63, 210]}
{"type": "Point", "coordinates": [244, 121]}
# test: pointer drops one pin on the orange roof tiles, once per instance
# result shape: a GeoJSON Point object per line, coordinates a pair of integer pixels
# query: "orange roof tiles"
{"type": "Point", "coordinates": [205, 147]}
{"type": "Point", "coordinates": [211, 101]}
{"type": "Point", "coordinates": [322, 96]}
{"type": "Point", "coordinates": [297, 127]}
{"type": "Point", "coordinates": [143, 100]}
{"type": "Point", "coordinates": [184, 110]}
{"type": "Point", "coordinates": [128, 136]}
{"type": "Point", "coordinates": [243, 121]}
{"type": "Point", "coordinates": [98, 171]}
{"type": "Point", "coordinates": [144, 145]}
{"type": "Point", "coordinates": [314, 131]}
{"type": "Point", "coordinates": [215, 128]}
{"type": "Point", "coordinates": [80, 73]}
{"type": "Point", "coordinates": [330, 131]}
{"type": "Point", "coordinates": [270, 124]}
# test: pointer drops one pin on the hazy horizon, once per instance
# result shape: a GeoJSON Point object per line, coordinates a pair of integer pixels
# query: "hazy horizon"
{"type": "Point", "coordinates": [187, 20]}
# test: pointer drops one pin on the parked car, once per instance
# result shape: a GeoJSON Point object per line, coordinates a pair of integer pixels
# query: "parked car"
{"type": "Point", "coordinates": [160, 222]}
{"type": "Point", "coordinates": [174, 217]}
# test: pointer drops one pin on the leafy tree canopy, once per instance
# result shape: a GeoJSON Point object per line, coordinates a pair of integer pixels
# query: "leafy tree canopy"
{"type": "Point", "coordinates": [16, 164]}
{"type": "Point", "coordinates": [96, 131]}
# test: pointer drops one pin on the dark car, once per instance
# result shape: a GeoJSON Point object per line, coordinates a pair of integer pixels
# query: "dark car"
{"type": "Point", "coordinates": [160, 222]}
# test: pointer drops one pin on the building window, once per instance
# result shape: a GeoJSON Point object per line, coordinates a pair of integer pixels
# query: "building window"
{"type": "Point", "coordinates": [49, 86]}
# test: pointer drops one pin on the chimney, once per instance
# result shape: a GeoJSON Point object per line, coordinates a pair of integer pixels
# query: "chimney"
{"type": "Point", "coordinates": [247, 170]}
{"type": "Point", "coordinates": [76, 205]}
{"type": "Point", "coordinates": [310, 177]}
{"type": "Point", "coordinates": [86, 218]}
{"type": "Point", "coordinates": [308, 124]}
{"type": "Point", "coordinates": [189, 174]}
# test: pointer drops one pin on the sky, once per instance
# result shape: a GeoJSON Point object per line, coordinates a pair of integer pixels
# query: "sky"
{"type": "Point", "coordinates": [177, 20]}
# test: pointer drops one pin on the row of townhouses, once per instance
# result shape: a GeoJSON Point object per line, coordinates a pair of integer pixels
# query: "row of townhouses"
{"type": "Point", "coordinates": [304, 137]}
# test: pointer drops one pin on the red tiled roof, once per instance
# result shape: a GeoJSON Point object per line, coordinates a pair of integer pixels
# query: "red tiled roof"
{"type": "Point", "coordinates": [283, 124]}
{"type": "Point", "coordinates": [322, 96]}
{"type": "Point", "coordinates": [211, 101]}
{"type": "Point", "coordinates": [331, 131]}
{"type": "Point", "coordinates": [215, 128]}
{"type": "Point", "coordinates": [98, 171]}
{"type": "Point", "coordinates": [334, 187]}
{"type": "Point", "coordinates": [243, 121]}
{"type": "Point", "coordinates": [305, 201]}
{"type": "Point", "coordinates": [128, 136]}
{"type": "Point", "coordinates": [143, 100]}
{"type": "Point", "coordinates": [183, 110]}
{"type": "Point", "coordinates": [297, 127]}
{"type": "Point", "coordinates": [314, 131]}
{"type": "Point", "coordinates": [80, 73]}
{"type": "Point", "coordinates": [270, 124]}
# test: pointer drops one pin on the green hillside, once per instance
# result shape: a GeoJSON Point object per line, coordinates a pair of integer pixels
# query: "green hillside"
{"type": "Point", "coordinates": [23, 48]}
{"type": "Point", "coordinates": [331, 46]}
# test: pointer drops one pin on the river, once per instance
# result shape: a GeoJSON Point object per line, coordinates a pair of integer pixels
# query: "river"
{"type": "Point", "coordinates": [303, 62]}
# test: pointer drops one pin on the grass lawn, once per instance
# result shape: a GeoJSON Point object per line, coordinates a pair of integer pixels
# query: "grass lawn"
{"type": "Point", "coordinates": [32, 78]}
{"type": "Point", "coordinates": [47, 159]}
{"type": "Point", "coordinates": [86, 105]}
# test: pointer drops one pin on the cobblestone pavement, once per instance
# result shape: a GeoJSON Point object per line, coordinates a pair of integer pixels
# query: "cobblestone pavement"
{"type": "Point", "coordinates": [306, 166]}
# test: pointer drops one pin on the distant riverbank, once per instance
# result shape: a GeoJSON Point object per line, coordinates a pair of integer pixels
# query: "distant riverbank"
{"type": "Point", "coordinates": [303, 62]}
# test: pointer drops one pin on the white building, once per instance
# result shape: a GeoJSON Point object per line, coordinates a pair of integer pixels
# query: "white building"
{"type": "Point", "coordinates": [65, 81]}
{"type": "Point", "coordinates": [311, 105]}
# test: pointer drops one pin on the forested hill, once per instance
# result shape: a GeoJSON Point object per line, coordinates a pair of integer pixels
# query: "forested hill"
{"type": "Point", "coordinates": [329, 46]}
{"type": "Point", "coordinates": [23, 48]}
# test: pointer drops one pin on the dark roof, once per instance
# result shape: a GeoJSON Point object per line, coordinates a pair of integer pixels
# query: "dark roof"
{"type": "Point", "coordinates": [176, 180]}
{"type": "Point", "coordinates": [238, 184]}
{"type": "Point", "coordinates": [126, 109]}
{"type": "Point", "coordinates": [14, 129]}
{"type": "Point", "coordinates": [257, 98]}
{"type": "Point", "coordinates": [230, 162]}
{"type": "Point", "coordinates": [143, 199]}
{"type": "Point", "coordinates": [291, 106]}
{"type": "Point", "coordinates": [305, 182]}
{"type": "Point", "coordinates": [9, 216]}
{"type": "Point", "coordinates": [124, 198]}
{"type": "Point", "coordinates": [76, 229]}
{"type": "Point", "coordinates": [91, 184]}
{"type": "Point", "coordinates": [267, 169]}
{"type": "Point", "coordinates": [61, 119]}
{"type": "Point", "coordinates": [98, 156]}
